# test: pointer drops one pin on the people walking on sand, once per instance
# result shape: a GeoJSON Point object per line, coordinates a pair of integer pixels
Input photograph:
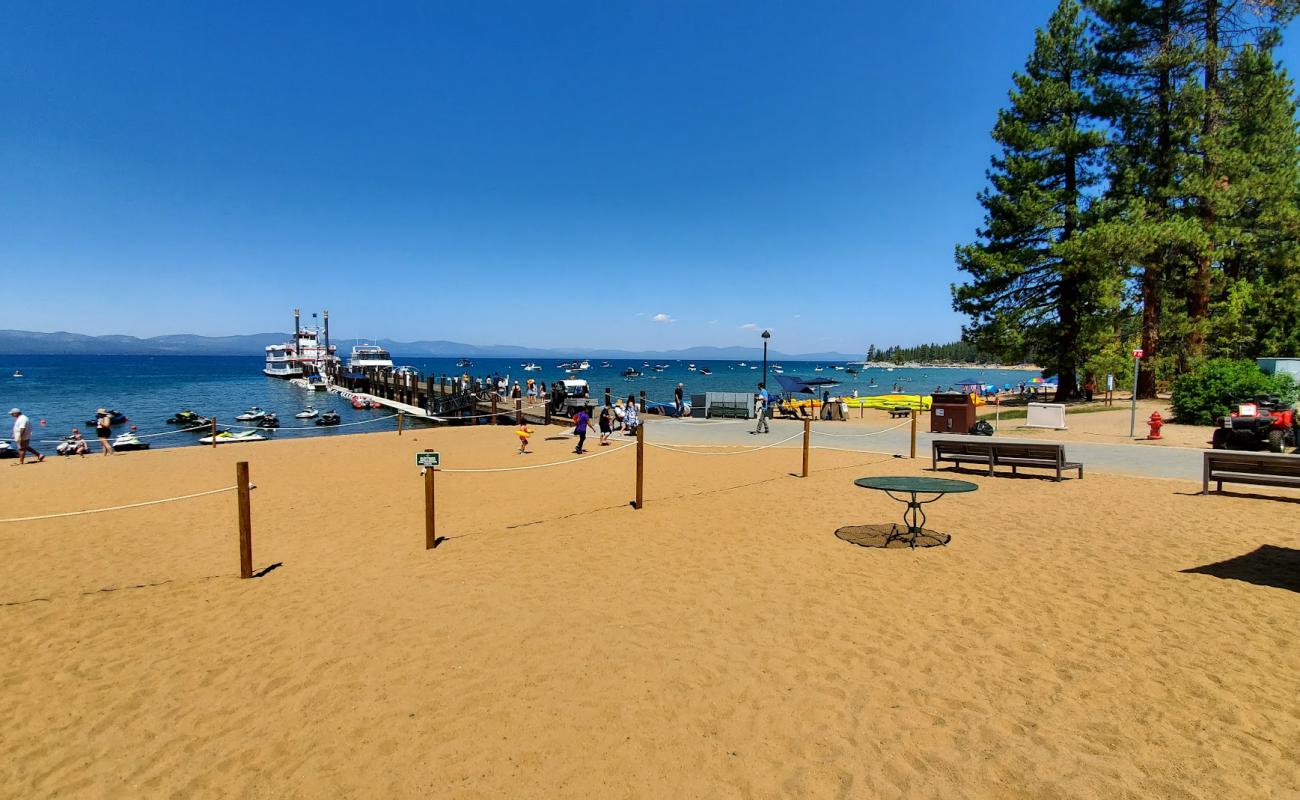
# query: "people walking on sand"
{"type": "Point", "coordinates": [631, 420]}
{"type": "Point", "coordinates": [523, 432]}
{"type": "Point", "coordinates": [606, 425]}
{"type": "Point", "coordinates": [584, 419]}
{"type": "Point", "coordinates": [104, 430]}
{"type": "Point", "coordinates": [760, 411]}
{"type": "Point", "coordinates": [678, 403]}
{"type": "Point", "coordinates": [23, 436]}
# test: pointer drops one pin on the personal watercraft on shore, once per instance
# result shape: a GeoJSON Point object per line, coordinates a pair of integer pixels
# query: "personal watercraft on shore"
{"type": "Point", "coordinates": [234, 438]}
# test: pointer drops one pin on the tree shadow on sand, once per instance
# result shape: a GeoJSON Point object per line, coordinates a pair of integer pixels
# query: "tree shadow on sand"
{"type": "Point", "coordinates": [1269, 565]}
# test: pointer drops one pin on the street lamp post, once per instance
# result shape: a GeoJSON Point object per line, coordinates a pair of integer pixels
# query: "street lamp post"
{"type": "Point", "coordinates": [766, 336]}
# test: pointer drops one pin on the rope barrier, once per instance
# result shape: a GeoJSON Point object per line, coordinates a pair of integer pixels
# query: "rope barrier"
{"type": "Point", "coordinates": [859, 435]}
{"type": "Point", "coordinates": [312, 427]}
{"type": "Point", "coordinates": [540, 466]}
{"type": "Point", "coordinates": [739, 453]}
{"type": "Point", "coordinates": [139, 435]}
{"type": "Point", "coordinates": [119, 508]}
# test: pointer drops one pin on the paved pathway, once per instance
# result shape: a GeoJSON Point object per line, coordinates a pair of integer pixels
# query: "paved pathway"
{"type": "Point", "coordinates": [1148, 461]}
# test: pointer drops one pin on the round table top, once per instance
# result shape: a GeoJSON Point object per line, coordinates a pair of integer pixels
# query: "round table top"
{"type": "Point", "coordinates": [919, 485]}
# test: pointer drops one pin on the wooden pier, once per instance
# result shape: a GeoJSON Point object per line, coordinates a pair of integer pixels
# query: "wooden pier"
{"type": "Point", "coordinates": [440, 398]}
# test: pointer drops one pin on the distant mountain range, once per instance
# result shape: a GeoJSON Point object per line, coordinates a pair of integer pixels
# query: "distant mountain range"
{"type": "Point", "coordinates": [185, 344]}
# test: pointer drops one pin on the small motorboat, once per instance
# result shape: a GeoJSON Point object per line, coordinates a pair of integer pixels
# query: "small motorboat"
{"type": "Point", "coordinates": [605, 365]}
{"type": "Point", "coordinates": [251, 415]}
{"type": "Point", "coordinates": [632, 372]}
{"type": "Point", "coordinates": [328, 418]}
{"type": "Point", "coordinates": [268, 420]}
{"type": "Point", "coordinates": [705, 371]}
{"type": "Point", "coordinates": [464, 362]}
{"type": "Point", "coordinates": [127, 442]}
{"type": "Point", "coordinates": [18, 373]}
{"type": "Point", "coordinates": [850, 371]}
{"type": "Point", "coordinates": [307, 413]}
{"type": "Point", "coordinates": [114, 418]}
{"type": "Point", "coordinates": [691, 367]}
{"type": "Point", "coordinates": [531, 367]}
{"type": "Point", "coordinates": [227, 437]}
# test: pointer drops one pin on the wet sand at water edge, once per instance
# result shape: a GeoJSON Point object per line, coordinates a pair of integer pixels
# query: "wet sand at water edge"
{"type": "Point", "coordinates": [1112, 637]}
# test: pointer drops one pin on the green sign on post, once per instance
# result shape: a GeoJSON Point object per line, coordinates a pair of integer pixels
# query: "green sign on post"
{"type": "Point", "coordinates": [426, 459]}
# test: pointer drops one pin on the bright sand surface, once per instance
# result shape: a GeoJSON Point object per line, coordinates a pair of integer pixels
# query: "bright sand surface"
{"type": "Point", "coordinates": [721, 642]}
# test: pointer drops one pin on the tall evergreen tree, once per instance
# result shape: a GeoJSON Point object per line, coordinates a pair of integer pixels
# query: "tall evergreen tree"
{"type": "Point", "coordinates": [1028, 289]}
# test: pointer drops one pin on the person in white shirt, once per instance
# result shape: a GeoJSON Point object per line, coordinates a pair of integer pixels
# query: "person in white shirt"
{"type": "Point", "coordinates": [23, 436]}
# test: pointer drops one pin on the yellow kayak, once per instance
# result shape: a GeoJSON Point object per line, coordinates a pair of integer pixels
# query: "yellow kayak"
{"type": "Point", "coordinates": [920, 402]}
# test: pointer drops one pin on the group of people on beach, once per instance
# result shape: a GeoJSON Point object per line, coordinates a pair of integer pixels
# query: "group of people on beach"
{"type": "Point", "coordinates": [620, 416]}
{"type": "Point", "coordinates": [74, 444]}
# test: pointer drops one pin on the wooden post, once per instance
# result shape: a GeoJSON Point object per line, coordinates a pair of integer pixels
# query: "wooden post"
{"type": "Point", "coordinates": [430, 523]}
{"type": "Point", "coordinates": [807, 435]}
{"type": "Point", "coordinates": [642, 408]}
{"type": "Point", "coordinates": [546, 412]}
{"type": "Point", "coordinates": [607, 402]}
{"type": "Point", "coordinates": [494, 406]}
{"type": "Point", "coordinates": [245, 521]}
{"type": "Point", "coordinates": [914, 416]}
{"type": "Point", "coordinates": [519, 411]}
{"type": "Point", "coordinates": [399, 423]}
{"type": "Point", "coordinates": [640, 467]}
{"type": "Point", "coordinates": [214, 431]}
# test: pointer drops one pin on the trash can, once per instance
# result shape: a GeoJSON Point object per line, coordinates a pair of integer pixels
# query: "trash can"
{"type": "Point", "coordinates": [951, 412]}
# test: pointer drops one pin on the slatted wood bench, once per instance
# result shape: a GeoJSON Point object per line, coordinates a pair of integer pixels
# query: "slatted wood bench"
{"type": "Point", "coordinates": [1260, 469]}
{"type": "Point", "coordinates": [1038, 456]}
{"type": "Point", "coordinates": [1010, 454]}
{"type": "Point", "coordinates": [900, 412]}
{"type": "Point", "coordinates": [959, 452]}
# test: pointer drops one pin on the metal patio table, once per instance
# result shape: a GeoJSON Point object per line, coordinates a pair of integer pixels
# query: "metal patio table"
{"type": "Point", "coordinates": [914, 516]}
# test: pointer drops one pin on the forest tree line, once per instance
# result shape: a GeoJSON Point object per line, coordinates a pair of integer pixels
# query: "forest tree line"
{"type": "Point", "coordinates": [1146, 194]}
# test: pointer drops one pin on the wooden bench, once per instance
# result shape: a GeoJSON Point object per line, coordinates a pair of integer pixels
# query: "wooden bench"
{"type": "Point", "coordinates": [1011, 454]}
{"type": "Point", "coordinates": [900, 412]}
{"type": "Point", "coordinates": [1260, 469]}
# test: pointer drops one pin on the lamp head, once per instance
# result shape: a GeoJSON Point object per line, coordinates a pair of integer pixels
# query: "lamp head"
{"type": "Point", "coordinates": [767, 335]}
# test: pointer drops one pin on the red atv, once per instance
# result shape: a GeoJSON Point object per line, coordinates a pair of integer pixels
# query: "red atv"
{"type": "Point", "coordinates": [1262, 422]}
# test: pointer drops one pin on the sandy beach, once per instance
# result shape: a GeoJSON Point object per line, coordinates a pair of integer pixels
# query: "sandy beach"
{"type": "Point", "coordinates": [1113, 637]}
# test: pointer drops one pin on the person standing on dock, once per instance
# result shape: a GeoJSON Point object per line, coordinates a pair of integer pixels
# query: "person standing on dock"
{"type": "Point", "coordinates": [104, 430]}
{"type": "Point", "coordinates": [23, 436]}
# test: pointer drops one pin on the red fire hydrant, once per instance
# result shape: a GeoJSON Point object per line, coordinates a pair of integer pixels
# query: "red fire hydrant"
{"type": "Point", "coordinates": [1156, 422]}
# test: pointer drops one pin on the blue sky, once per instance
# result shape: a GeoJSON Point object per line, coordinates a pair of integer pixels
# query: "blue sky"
{"type": "Point", "coordinates": [638, 175]}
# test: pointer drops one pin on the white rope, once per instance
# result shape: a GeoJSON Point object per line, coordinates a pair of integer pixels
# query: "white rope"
{"type": "Point", "coordinates": [707, 422]}
{"type": "Point", "coordinates": [540, 466]}
{"type": "Point", "coordinates": [847, 449]}
{"type": "Point", "coordinates": [858, 435]}
{"type": "Point", "coordinates": [136, 435]}
{"type": "Point", "coordinates": [119, 508]}
{"type": "Point", "coordinates": [738, 453]}
{"type": "Point", "coordinates": [312, 427]}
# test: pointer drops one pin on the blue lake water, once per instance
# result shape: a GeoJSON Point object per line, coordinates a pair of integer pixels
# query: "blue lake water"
{"type": "Point", "coordinates": [64, 391]}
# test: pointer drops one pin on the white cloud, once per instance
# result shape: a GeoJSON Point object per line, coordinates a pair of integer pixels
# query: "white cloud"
{"type": "Point", "coordinates": [640, 313]}
{"type": "Point", "coordinates": [749, 326]}
{"type": "Point", "coordinates": [662, 318]}
{"type": "Point", "coordinates": [713, 322]}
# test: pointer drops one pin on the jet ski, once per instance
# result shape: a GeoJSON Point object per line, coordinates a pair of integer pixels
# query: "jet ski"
{"type": "Point", "coordinates": [307, 413]}
{"type": "Point", "coordinates": [8, 451]}
{"type": "Point", "coordinates": [114, 418]}
{"type": "Point", "coordinates": [253, 413]}
{"type": "Point", "coordinates": [129, 441]}
{"type": "Point", "coordinates": [71, 445]}
{"type": "Point", "coordinates": [268, 420]}
{"type": "Point", "coordinates": [227, 437]}
{"type": "Point", "coordinates": [328, 418]}
{"type": "Point", "coordinates": [188, 419]}
{"type": "Point", "coordinates": [631, 372]}
{"type": "Point", "coordinates": [705, 371]}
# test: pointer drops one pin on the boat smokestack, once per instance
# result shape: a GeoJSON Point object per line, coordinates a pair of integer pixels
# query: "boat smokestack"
{"type": "Point", "coordinates": [297, 314]}
{"type": "Point", "coordinates": [327, 333]}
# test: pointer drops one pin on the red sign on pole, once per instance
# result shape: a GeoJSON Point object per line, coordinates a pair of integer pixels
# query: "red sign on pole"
{"type": "Point", "coordinates": [1138, 354]}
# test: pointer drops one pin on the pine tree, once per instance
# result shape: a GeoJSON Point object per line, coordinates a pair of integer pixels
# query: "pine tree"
{"type": "Point", "coordinates": [1028, 289]}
